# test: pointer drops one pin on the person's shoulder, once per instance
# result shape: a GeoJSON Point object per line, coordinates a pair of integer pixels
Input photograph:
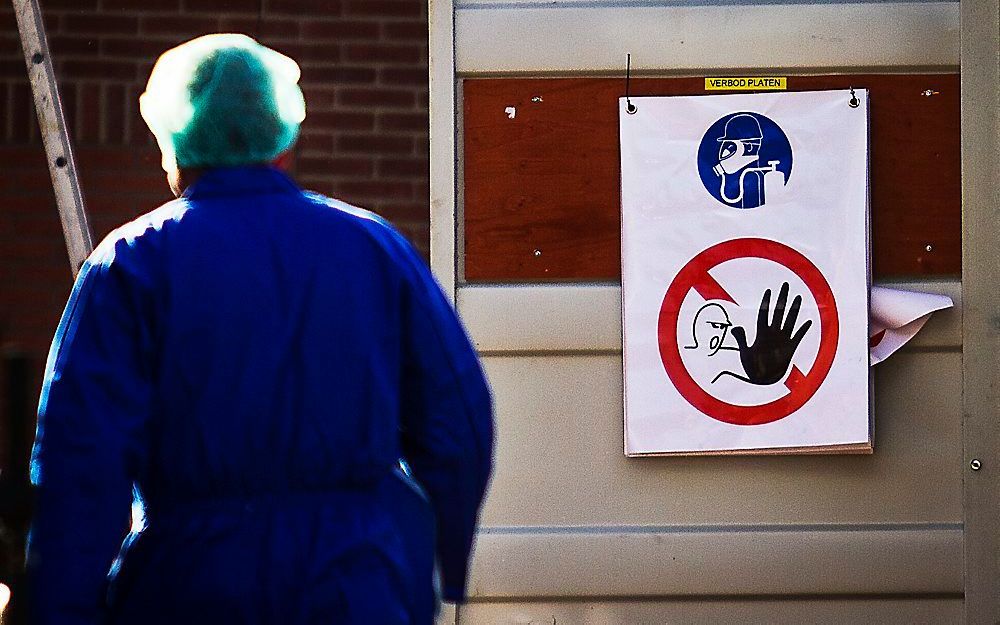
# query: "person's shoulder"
{"type": "Point", "coordinates": [364, 222]}
{"type": "Point", "coordinates": [130, 236]}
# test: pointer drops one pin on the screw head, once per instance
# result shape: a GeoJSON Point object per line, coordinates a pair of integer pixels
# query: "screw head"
{"type": "Point", "coordinates": [929, 248]}
{"type": "Point", "coordinates": [537, 253]}
{"type": "Point", "coordinates": [975, 465]}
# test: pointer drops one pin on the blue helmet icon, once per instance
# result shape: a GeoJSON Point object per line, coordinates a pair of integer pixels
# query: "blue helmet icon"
{"type": "Point", "coordinates": [743, 158]}
{"type": "Point", "coordinates": [742, 127]}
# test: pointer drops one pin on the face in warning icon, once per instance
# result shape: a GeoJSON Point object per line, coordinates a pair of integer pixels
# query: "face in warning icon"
{"type": "Point", "coordinates": [710, 329]}
{"type": "Point", "coordinates": [744, 158]}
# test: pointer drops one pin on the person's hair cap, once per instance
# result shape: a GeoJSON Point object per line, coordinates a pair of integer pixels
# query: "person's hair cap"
{"type": "Point", "coordinates": [222, 100]}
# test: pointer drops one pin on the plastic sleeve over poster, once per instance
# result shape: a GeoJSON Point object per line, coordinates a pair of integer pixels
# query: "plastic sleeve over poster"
{"type": "Point", "coordinates": [746, 273]}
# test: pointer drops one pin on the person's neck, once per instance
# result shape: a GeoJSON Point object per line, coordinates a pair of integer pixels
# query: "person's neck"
{"type": "Point", "coordinates": [183, 177]}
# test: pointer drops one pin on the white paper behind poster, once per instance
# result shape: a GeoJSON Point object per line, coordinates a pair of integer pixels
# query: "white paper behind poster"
{"type": "Point", "coordinates": [745, 272]}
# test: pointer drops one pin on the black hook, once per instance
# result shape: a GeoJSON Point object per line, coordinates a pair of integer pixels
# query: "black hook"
{"type": "Point", "coordinates": [629, 107]}
{"type": "Point", "coordinates": [855, 102]}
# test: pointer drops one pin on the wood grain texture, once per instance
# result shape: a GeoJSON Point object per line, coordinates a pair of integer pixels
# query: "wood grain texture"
{"type": "Point", "coordinates": [542, 190]}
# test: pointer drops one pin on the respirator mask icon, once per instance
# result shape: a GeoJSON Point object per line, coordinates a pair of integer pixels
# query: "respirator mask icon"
{"type": "Point", "coordinates": [735, 155]}
{"type": "Point", "coordinates": [739, 154]}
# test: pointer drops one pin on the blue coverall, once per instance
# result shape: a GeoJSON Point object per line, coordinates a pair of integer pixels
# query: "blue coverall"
{"type": "Point", "coordinates": [252, 361]}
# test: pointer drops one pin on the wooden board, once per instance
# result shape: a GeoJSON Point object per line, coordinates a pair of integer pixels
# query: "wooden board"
{"type": "Point", "coordinates": [542, 190]}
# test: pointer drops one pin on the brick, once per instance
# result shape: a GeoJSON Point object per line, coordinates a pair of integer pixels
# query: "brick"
{"type": "Point", "coordinates": [63, 45]}
{"type": "Point", "coordinates": [184, 25]}
{"type": "Point", "coordinates": [76, 5]}
{"type": "Point", "coordinates": [114, 114]}
{"type": "Point", "coordinates": [340, 120]}
{"type": "Point", "coordinates": [107, 158]}
{"type": "Point", "coordinates": [404, 76]}
{"type": "Point", "coordinates": [311, 52]}
{"type": "Point", "coordinates": [404, 121]}
{"type": "Point", "coordinates": [367, 189]}
{"type": "Point", "coordinates": [313, 8]}
{"type": "Point", "coordinates": [35, 178]}
{"type": "Point", "coordinates": [316, 143]}
{"type": "Point", "coordinates": [88, 122]}
{"type": "Point", "coordinates": [23, 127]}
{"type": "Point", "coordinates": [339, 75]}
{"type": "Point", "coordinates": [134, 48]}
{"type": "Point", "coordinates": [13, 68]}
{"type": "Point", "coordinates": [407, 31]}
{"type": "Point", "coordinates": [317, 98]}
{"type": "Point", "coordinates": [384, 8]}
{"type": "Point", "coordinates": [317, 30]}
{"type": "Point", "coordinates": [10, 45]}
{"type": "Point", "coordinates": [383, 52]}
{"type": "Point", "coordinates": [336, 166]}
{"type": "Point", "coordinates": [375, 143]}
{"type": "Point", "coordinates": [130, 5]}
{"type": "Point", "coordinates": [411, 212]}
{"type": "Point", "coordinates": [317, 185]}
{"type": "Point", "coordinates": [375, 97]}
{"type": "Point", "coordinates": [403, 167]}
{"type": "Point", "coordinates": [77, 69]}
{"type": "Point", "coordinates": [263, 29]}
{"type": "Point", "coordinates": [100, 24]}
{"type": "Point", "coordinates": [220, 6]}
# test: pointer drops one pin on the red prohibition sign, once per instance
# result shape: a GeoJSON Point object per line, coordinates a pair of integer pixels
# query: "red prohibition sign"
{"type": "Point", "coordinates": [694, 275]}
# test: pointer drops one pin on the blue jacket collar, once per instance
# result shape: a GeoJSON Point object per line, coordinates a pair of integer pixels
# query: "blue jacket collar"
{"type": "Point", "coordinates": [230, 181]}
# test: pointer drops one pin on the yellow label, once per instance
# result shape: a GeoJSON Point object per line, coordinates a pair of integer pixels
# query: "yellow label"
{"type": "Point", "coordinates": [747, 83]}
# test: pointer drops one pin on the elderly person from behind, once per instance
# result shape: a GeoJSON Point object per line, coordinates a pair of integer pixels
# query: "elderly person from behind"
{"type": "Point", "coordinates": [255, 364]}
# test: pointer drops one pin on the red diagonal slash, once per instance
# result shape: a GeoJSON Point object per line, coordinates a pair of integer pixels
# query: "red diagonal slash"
{"type": "Point", "coordinates": [795, 377]}
{"type": "Point", "coordinates": [710, 289]}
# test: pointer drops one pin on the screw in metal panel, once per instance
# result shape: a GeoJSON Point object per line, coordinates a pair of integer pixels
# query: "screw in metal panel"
{"type": "Point", "coordinates": [975, 465]}
{"type": "Point", "coordinates": [537, 253]}
{"type": "Point", "coordinates": [929, 248]}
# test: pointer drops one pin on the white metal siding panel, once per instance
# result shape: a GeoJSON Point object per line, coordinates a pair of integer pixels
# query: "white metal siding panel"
{"type": "Point", "coordinates": [592, 37]}
{"type": "Point", "coordinates": [695, 612]}
{"type": "Point", "coordinates": [587, 318]}
{"type": "Point", "coordinates": [559, 457]}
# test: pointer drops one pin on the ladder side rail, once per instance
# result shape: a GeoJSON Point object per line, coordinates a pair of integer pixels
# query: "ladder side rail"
{"type": "Point", "coordinates": [55, 134]}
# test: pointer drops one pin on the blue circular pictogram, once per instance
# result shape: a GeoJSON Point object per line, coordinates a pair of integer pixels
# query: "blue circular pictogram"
{"type": "Point", "coordinates": [744, 158]}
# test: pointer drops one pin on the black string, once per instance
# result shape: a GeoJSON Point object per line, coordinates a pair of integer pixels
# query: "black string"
{"type": "Point", "coordinates": [629, 107]}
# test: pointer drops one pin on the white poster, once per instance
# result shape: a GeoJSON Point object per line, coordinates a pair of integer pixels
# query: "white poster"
{"type": "Point", "coordinates": [745, 273]}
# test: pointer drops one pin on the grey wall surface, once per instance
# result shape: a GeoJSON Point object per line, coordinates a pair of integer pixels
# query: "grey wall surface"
{"type": "Point", "coordinates": [575, 532]}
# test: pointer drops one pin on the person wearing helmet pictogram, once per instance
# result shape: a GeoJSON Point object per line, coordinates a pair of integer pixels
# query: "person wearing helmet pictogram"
{"type": "Point", "coordinates": [741, 179]}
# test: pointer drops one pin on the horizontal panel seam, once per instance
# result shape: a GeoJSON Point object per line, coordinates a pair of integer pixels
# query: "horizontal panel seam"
{"type": "Point", "coordinates": [716, 529]}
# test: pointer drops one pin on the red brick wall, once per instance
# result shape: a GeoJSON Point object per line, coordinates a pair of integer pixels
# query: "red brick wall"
{"type": "Point", "coordinates": [364, 74]}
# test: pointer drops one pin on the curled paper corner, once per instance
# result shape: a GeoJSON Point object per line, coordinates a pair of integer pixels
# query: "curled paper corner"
{"type": "Point", "coordinates": [897, 315]}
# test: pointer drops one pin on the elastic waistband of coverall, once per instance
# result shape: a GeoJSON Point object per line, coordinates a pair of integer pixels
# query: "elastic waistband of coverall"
{"type": "Point", "coordinates": [347, 497]}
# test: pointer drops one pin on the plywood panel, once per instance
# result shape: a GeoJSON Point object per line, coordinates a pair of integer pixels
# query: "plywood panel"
{"type": "Point", "coordinates": [542, 189]}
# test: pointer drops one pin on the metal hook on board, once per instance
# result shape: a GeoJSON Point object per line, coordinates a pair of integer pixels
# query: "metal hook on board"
{"type": "Point", "coordinates": [854, 102]}
{"type": "Point", "coordinates": [629, 107]}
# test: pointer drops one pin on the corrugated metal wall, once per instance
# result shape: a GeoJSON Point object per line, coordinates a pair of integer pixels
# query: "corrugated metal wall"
{"type": "Point", "coordinates": [573, 532]}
